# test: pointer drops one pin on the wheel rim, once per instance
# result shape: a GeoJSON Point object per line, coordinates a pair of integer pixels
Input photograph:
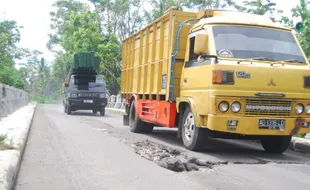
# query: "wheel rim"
{"type": "Point", "coordinates": [189, 127]}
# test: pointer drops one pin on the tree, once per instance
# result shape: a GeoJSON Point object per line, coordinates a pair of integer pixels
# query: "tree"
{"type": "Point", "coordinates": [9, 37]}
{"type": "Point", "coordinates": [119, 17]}
{"type": "Point", "coordinates": [64, 8]}
{"type": "Point", "coordinates": [159, 8]}
{"type": "Point", "coordinates": [301, 12]}
{"type": "Point", "coordinates": [196, 5]}
{"type": "Point", "coordinates": [82, 31]}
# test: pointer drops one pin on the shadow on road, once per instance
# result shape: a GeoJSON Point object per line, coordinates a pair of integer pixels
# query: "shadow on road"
{"type": "Point", "coordinates": [234, 149]}
{"type": "Point", "coordinates": [85, 113]}
{"type": "Point", "coordinates": [213, 145]}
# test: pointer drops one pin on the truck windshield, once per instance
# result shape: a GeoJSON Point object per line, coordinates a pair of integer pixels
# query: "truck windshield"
{"type": "Point", "coordinates": [87, 80]}
{"type": "Point", "coordinates": [248, 42]}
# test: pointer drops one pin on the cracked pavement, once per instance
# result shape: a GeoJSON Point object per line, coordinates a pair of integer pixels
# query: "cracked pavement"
{"type": "Point", "coordinates": [86, 151]}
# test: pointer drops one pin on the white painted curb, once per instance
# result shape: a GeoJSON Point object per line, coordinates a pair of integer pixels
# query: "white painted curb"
{"type": "Point", "coordinates": [16, 126]}
{"type": "Point", "coordinates": [300, 145]}
{"type": "Point", "coordinates": [118, 111]}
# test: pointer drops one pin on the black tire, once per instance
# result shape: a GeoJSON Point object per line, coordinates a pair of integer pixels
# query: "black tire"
{"type": "Point", "coordinates": [125, 120]}
{"type": "Point", "coordinates": [94, 111]}
{"type": "Point", "coordinates": [102, 112]}
{"type": "Point", "coordinates": [65, 108]}
{"type": "Point", "coordinates": [148, 128]}
{"type": "Point", "coordinates": [135, 124]}
{"type": "Point", "coordinates": [276, 144]}
{"type": "Point", "coordinates": [194, 138]}
{"type": "Point", "coordinates": [69, 111]}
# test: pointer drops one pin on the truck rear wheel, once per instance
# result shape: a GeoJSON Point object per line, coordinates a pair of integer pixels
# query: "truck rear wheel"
{"type": "Point", "coordinates": [148, 128]}
{"type": "Point", "coordinates": [193, 137]}
{"type": "Point", "coordinates": [136, 124]}
{"type": "Point", "coordinates": [125, 120]}
{"type": "Point", "coordinates": [277, 144]}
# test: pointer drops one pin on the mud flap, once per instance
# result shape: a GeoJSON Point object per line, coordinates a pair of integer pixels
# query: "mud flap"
{"type": "Point", "coordinates": [298, 125]}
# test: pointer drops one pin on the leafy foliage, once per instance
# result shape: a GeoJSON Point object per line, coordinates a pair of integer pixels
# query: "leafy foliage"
{"type": "Point", "coordinates": [101, 25]}
{"type": "Point", "coordinates": [9, 36]}
{"type": "Point", "coordinates": [301, 12]}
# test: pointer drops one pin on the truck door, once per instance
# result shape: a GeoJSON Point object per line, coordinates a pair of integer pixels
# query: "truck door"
{"type": "Point", "coordinates": [194, 75]}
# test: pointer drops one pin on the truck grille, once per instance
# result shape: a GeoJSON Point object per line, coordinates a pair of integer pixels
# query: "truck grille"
{"type": "Point", "coordinates": [268, 107]}
{"type": "Point", "coordinates": [307, 82]}
{"type": "Point", "coordinates": [88, 95]}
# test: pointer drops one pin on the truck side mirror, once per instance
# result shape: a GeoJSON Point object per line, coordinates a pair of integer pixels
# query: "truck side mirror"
{"type": "Point", "coordinates": [299, 26]}
{"type": "Point", "coordinates": [201, 44]}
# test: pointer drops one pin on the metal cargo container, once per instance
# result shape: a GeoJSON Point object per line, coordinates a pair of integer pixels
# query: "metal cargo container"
{"type": "Point", "coordinates": [86, 62]}
{"type": "Point", "coordinates": [148, 64]}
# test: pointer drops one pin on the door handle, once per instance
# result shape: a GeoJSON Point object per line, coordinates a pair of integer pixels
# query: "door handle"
{"type": "Point", "coordinates": [185, 80]}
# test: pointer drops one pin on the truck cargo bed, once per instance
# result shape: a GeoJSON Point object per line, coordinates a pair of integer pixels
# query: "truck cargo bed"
{"type": "Point", "coordinates": [146, 57]}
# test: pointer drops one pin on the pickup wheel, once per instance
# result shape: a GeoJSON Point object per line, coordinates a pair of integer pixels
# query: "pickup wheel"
{"type": "Point", "coordinates": [194, 138]}
{"type": "Point", "coordinates": [65, 108]}
{"type": "Point", "coordinates": [277, 144]}
{"type": "Point", "coordinates": [94, 111]}
{"type": "Point", "coordinates": [102, 112]}
{"type": "Point", "coordinates": [69, 110]}
{"type": "Point", "coordinates": [136, 124]}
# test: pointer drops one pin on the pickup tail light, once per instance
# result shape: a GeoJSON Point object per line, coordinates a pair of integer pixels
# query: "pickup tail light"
{"type": "Point", "coordinates": [223, 77]}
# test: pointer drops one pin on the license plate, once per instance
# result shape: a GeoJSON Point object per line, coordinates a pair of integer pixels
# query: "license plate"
{"type": "Point", "coordinates": [271, 124]}
{"type": "Point", "coordinates": [88, 101]}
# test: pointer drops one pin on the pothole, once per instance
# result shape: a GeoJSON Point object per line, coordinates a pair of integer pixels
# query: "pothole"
{"type": "Point", "coordinates": [171, 159]}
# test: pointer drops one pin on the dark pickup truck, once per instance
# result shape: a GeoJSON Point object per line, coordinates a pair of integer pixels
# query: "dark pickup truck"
{"type": "Point", "coordinates": [85, 92]}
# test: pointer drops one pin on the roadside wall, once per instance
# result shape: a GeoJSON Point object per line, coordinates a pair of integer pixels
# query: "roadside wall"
{"type": "Point", "coordinates": [11, 99]}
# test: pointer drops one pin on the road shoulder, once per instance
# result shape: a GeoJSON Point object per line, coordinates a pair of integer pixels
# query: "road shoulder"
{"type": "Point", "coordinates": [15, 129]}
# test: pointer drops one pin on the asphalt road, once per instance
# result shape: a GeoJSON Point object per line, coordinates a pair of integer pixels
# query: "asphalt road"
{"type": "Point", "coordinates": [86, 151]}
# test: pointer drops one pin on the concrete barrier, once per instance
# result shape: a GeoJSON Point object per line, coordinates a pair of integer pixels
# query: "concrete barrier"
{"type": "Point", "coordinates": [11, 99]}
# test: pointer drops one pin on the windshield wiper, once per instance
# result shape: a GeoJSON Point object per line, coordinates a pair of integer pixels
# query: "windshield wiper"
{"type": "Point", "coordinates": [257, 58]}
{"type": "Point", "coordinates": [292, 61]}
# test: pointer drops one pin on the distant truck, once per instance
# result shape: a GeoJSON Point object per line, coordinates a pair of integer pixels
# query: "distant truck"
{"type": "Point", "coordinates": [217, 74]}
{"type": "Point", "coordinates": [85, 89]}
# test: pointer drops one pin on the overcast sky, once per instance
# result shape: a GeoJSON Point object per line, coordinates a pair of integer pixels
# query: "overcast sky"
{"type": "Point", "coordinates": [34, 16]}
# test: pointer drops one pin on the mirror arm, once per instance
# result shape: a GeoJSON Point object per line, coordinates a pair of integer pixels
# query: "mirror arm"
{"type": "Point", "coordinates": [211, 56]}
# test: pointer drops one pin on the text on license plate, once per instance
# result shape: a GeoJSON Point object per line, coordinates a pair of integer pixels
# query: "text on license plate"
{"type": "Point", "coordinates": [88, 101]}
{"type": "Point", "coordinates": [271, 124]}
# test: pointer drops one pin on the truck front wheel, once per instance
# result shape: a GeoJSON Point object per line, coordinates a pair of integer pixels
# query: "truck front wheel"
{"type": "Point", "coordinates": [194, 138]}
{"type": "Point", "coordinates": [277, 144]}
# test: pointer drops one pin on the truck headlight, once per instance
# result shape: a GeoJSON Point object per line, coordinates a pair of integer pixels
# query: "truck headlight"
{"type": "Point", "coordinates": [73, 95]}
{"type": "Point", "coordinates": [102, 95]}
{"type": "Point", "coordinates": [307, 109]}
{"type": "Point", "coordinates": [299, 108]}
{"type": "Point", "coordinates": [235, 107]}
{"type": "Point", "coordinates": [223, 106]}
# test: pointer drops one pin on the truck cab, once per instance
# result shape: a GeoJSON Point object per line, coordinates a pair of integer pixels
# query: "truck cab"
{"type": "Point", "coordinates": [243, 76]}
{"type": "Point", "coordinates": [217, 74]}
{"type": "Point", "coordinates": [85, 92]}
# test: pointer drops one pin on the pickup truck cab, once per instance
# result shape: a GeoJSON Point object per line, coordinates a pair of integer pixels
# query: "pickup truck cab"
{"type": "Point", "coordinates": [85, 92]}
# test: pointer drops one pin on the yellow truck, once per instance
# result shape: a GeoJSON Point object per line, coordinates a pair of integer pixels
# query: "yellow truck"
{"type": "Point", "coordinates": [218, 74]}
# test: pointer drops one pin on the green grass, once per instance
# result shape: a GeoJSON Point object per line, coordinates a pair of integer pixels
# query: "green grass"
{"type": "Point", "coordinates": [300, 135]}
{"type": "Point", "coordinates": [4, 145]}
